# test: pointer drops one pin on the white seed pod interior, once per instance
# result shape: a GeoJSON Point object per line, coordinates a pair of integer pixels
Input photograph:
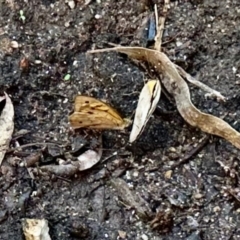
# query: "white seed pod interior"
{"type": "Point", "coordinates": [147, 103]}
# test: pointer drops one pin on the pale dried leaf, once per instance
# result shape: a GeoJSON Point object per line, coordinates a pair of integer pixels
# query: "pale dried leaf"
{"type": "Point", "coordinates": [6, 126]}
{"type": "Point", "coordinates": [88, 159]}
{"type": "Point", "coordinates": [35, 229]}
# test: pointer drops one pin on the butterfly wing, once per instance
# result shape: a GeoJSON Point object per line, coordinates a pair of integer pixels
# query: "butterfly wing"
{"type": "Point", "coordinates": [96, 120]}
{"type": "Point", "coordinates": [89, 103]}
{"type": "Point", "coordinates": [93, 113]}
{"type": "Point", "coordinates": [147, 103]}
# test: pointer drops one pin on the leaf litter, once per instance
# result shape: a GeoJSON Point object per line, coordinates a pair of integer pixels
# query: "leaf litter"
{"type": "Point", "coordinates": [6, 125]}
{"type": "Point", "coordinates": [178, 88]}
{"type": "Point", "coordinates": [172, 77]}
{"type": "Point", "coordinates": [85, 160]}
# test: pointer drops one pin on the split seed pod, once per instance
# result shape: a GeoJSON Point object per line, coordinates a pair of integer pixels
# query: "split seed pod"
{"type": "Point", "coordinates": [147, 103]}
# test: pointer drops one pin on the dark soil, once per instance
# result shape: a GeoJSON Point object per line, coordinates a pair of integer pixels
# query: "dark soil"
{"type": "Point", "coordinates": [196, 200]}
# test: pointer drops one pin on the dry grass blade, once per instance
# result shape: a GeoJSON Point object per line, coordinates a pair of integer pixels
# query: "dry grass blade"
{"type": "Point", "coordinates": [176, 86]}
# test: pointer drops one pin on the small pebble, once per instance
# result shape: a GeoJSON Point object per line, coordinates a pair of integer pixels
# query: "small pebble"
{"type": "Point", "coordinates": [14, 44]}
{"type": "Point", "coordinates": [66, 24]}
{"type": "Point", "coordinates": [178, 44]}
{"type": "Point", "coordinates": [135, 174]}
{"type": "Point", "coordinates": [198, 196]}
{"type": "Point", "coordinates": [122, 234]}
{"type": "Point", "coordinates": [172, 149]}
{"type": "Point", "coordinates": [168, 174]}
{"type": "Point", "coordinates": [234, 69]}
{"type": "Point", "coordinates": [144, 237]}
{"type": "Point", "coordinates": [98, 16]}
{"type": "Point", "coordinates": [37, 61]}
{"type": "Point", "coordinates": [71, 4]}
{"type": "Point", "coordinates": [217, 209]}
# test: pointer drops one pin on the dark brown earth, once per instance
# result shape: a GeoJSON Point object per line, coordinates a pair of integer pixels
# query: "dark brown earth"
{"type": "Point", "coordinates": [197, 200]}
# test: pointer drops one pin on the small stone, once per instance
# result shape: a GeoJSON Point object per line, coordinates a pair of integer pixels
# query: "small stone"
{"type": "Point", "coordinates": [71, 4]}
{"type": "Point", "coordinates": [24, 64]}
{"type": "Point", "coordinates": [234, 69]}
{"type": "Point", "coordinates": [198, 196]}
{"type": "Point", "coordinates": [37, 62]}
{"type": "Point", "coordinates": [135, 174]}
{"type": "Point", "coordinates": [144, 237]}
{"type": "Point", "coordinates": [75, 63]}
{"type": "Point", "coordinates": [66, 24]}
{"type": "Point", "coordinates": [206, 219]}
{"type": "Point", "coordinates": [178, 44]}
{"type": "Point", "coordinates": [172, 149]}
{"type": "Point", "coordinates": [217, 209]}
{"type": "Point", "coordinates": [168, 174]}
{"type": "Point", "coordinates": [14, 44]}
{"type": "Point", "coordinates": [87, 2]}
{"type": "Point", "coordinates": [35, 229]}
{"type": "Point", "coordinates": [98, 16]}
{"type": "Point", "coordinates": [122, 234]}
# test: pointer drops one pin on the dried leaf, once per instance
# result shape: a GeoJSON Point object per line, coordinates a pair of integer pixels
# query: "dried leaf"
{"type": "Point", "coordinates": [6, 126]}
{"type": "Point", "coordinates": [176, 86]}
{"type": "Point", "coordinates": [147, 103]}
{"type": "Point", "coordinates": [88, 159]}
{"type": "Point", "coordinates": [35, 229]}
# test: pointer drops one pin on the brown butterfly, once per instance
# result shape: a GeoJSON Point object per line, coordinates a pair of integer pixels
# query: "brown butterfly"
{"type": "Point", "coordinates": [92, 113]}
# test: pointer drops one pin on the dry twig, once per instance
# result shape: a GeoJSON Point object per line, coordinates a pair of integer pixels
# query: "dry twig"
{"type": "Point", "coordinates": [160, 24]}
{"type": "Point", "coordinates": [204, 87]}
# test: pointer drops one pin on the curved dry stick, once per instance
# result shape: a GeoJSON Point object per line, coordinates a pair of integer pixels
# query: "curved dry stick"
{"type": "Point", "coordinates": [176, 85]}
{"type": "Point", "coordinates": [189, 78]}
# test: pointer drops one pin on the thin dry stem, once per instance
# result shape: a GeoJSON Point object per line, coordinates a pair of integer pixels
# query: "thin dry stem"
{"type": "Point", "coordinates": [199, 84]}
{"type": "Point", "coordinates": [160, 25]}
